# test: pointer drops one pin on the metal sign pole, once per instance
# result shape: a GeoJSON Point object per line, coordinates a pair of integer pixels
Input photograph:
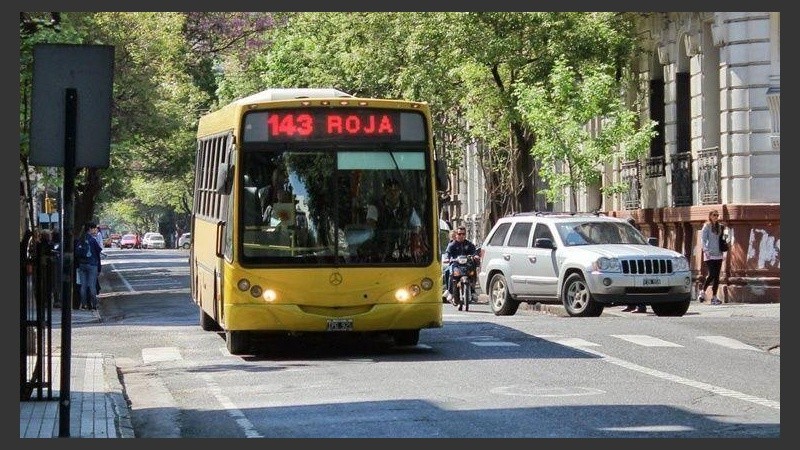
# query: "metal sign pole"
{"type": "Point", "coordinates": [67, 264]}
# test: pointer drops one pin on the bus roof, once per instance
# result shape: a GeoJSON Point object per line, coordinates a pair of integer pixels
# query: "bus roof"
{"type": "Point", "coordinates": [292, 93]}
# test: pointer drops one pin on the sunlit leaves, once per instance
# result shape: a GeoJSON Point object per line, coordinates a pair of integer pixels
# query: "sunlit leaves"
{"type": "Point", "coordinates": [581, 124]}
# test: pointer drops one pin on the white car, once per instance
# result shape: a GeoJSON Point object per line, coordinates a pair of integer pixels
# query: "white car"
{"type": "Point", "coordinates": [585, 261]}
{"type": "Point", "coordinates": [185, 241]}
{"type": "Point", "coordinates": [153, 240]}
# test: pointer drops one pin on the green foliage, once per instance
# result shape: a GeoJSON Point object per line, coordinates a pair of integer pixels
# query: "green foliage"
{"type": "Point", "coordinates": [572, 146]}
{"type": "Point", "coordinates": [482, 73]}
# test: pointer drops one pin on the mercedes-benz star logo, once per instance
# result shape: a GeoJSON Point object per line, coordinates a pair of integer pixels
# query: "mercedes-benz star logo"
{"type": "Point", "coordinates": [335, 279]}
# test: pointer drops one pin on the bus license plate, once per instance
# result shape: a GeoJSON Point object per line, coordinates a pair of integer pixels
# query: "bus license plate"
{"type": "Point", "coordinates": [651, 282]}
{"type": "Point", "coordinates": [340, 324]}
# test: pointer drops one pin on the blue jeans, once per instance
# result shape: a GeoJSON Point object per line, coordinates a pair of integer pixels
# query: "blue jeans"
{"type": "Point", "coordinates": [87, 274]}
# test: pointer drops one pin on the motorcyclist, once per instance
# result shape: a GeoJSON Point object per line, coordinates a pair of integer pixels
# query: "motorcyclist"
{"type": "Point", "coordinates": [458, 247]}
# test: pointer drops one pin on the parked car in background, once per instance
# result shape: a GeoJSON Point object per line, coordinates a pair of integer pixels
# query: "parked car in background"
{"type": "Point", "coordinates": [146, 237]}
{"type": "Point", "coordinates": [114, 239]}
{"type": "Point", "coordinates": [585, 261]}
{"type": "Point", "coordinates": [153, 240]}
{"type": "Point", "coordinates": [185, 241]}
{"type": "Point", "coordinates": [130, 240]}
{"type": "Point", "coordinates": [104, 234]}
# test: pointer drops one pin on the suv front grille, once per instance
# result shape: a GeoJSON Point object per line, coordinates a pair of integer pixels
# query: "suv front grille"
{"type": "Point", "coordinates": [646, 266]}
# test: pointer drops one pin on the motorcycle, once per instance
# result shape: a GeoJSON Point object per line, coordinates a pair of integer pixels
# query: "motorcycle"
{"type": "Point", "coordinates": [464, 276]}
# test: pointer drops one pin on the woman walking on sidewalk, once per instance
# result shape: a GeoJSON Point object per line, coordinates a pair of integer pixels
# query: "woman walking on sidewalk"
{"type": "Point", "coordinates": [712, 255]}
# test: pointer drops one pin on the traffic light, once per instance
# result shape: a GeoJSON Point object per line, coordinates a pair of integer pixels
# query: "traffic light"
{"type": "Point", "coordinates": [49, 205]}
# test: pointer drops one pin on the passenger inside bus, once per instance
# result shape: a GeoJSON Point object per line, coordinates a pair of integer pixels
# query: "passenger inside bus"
{"type": "Point", "coordinates": [252, 204]}
{"type": "Point", "coordinates": [395, 222]}
{"type": "Point", "coordinates": [279, 191]}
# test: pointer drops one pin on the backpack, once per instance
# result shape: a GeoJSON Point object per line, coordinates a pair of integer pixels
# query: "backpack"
{"type": "Point", "coordinates": [83, 251]}
{"type": "Point", "coordinates": [723, 244]}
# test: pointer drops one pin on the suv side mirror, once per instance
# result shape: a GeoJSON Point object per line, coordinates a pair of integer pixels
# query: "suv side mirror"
{"type": "Point", "coordinates": [543, 243]}
{"type": "Point", "coordinates": [653, 241]}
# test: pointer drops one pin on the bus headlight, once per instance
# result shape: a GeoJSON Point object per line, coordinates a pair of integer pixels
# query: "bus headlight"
{"type": "Point", "coordinates": [256, 291]}
{"type": "Point", "coordinates": [243, 284]}
{"type": "Point", "coordinates": [427, 284]}
{"type": "Point", "coordinates": [269, 295]}
{"type": "Point", "coordinates": [402, 295]}
{"type": "Point", "coordinates": [406, 294]}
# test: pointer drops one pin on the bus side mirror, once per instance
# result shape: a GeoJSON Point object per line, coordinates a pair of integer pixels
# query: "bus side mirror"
{"type": "Point", "coordinates": [652, 241]}
{"type": "Point", "coordinates": [442, 180]}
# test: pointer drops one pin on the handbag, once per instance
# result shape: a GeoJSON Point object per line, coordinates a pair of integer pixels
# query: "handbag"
{"type": "Point", "coordinates": [723, 244]}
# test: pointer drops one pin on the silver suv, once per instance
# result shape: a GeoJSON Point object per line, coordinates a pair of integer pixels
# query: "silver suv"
{"type": "Point", "coordinates": [585, 261]}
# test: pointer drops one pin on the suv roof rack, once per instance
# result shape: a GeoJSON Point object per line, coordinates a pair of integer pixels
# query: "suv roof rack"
{"type": "Point", "coordinates": [560, 213]}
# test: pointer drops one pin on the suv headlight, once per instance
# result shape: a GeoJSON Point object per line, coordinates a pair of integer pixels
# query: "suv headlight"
{"type": "Point", "coordinates": [607, 265]}
{"type": "Point", "coordinates": [680, 264]}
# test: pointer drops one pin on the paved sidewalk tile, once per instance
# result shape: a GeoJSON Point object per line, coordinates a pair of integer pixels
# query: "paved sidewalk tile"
{"type": "Point", "coordinates": [97, 410]}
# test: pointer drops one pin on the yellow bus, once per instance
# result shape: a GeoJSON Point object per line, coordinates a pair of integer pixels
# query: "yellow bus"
{"type": "Point", "coordinates": [316, 212]}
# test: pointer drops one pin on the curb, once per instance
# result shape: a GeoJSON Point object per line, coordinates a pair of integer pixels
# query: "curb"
{"type": "Point", "coordinates": [116, 392]}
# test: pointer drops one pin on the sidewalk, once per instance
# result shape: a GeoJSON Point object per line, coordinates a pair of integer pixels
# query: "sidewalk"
{"type": "Point", "coordinates": [98, 408]}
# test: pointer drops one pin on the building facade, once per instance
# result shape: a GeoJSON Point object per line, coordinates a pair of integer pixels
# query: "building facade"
{"type": "Point", "coordinates": [713, 86]}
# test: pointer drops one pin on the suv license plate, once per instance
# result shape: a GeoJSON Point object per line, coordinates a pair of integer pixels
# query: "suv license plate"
{"type": "Point", "coordinates": [651, 282]}
{"type": "Point", "coordinates": [340, 324]}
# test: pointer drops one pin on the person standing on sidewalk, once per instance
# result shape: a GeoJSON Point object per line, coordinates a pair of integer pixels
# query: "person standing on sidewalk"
{"type": "Point", "coordinates": [712, 256]}
{"type": "Point", "coordinates": [87, 256]}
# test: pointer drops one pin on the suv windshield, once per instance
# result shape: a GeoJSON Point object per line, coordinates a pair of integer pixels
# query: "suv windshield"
{"type": "Point", "coordinates": [587, 232]}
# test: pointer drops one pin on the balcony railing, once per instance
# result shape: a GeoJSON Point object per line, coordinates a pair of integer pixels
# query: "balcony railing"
{"type": "Point", "coordinates": [655, 167]}
{"type": "Point", "coordinates": [629, 173]}
{"type": "Point", "coordinates": [708, 175]}
{"type": "Point", "coordinates": [682, 179]}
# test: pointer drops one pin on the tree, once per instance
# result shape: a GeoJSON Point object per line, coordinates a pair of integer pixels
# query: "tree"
{"type": "Point", "coordinates": [466, 65]}
{"type": "Point", "coordinates": [571, 154]}
{"type": "Point", "coordinates": [155, 106]}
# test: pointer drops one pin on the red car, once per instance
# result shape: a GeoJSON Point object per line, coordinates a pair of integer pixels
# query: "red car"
{"type": "Point", "coordinates": [130, 240]}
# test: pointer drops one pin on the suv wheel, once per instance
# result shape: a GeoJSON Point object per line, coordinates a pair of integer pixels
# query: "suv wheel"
{"type": "Point", "coordinates": [672, 309]}
{"type": "Point", "coordinates": [577, 299]}
{"type": "Point", "coordinates": [499, 298]}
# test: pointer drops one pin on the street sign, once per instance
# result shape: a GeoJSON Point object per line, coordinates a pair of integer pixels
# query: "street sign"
{"type": "Point", "coordinates": [89, 70]}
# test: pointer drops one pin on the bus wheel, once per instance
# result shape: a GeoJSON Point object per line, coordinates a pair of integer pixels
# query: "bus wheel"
{"type": "Point", "coordinates": [406, 337]}
{"type": "Point", "coordinates": [207, 323]}
{"type": "Point", "coordinates": [237, 342]}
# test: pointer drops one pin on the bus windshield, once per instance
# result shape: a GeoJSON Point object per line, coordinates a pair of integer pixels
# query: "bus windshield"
{"type": "Point", "coordinates": [335, 206]}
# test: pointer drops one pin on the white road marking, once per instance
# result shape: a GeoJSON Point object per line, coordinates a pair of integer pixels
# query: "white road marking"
{"type": "Point", "coordinates": [575, 342]}
{"type": "Point", "coordinates": [728, 342]}
{"type": "Point", "coordinates": [155, 354]}
{"type": "Point", "coordinates": [686, 382]}
{"type": "Point", "coordinates": [238, 416]}
{"type": "Point", "coordinates": [651, 429]}
{"type": "Point", "coordinates": [533, 391]}
{"type": "Point", "coordinates": [121, 277]}
{"type": "Point", "coordinates": [494, 344]}
{"type": "Point", "coordinates": [646, 341]}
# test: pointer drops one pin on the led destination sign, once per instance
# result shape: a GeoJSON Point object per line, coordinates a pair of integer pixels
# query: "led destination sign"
{"type": "Point", "coordinates": [333, 125]}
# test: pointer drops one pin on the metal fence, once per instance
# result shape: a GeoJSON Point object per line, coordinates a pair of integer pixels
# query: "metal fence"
{"type": "Point", "coordinates": [39, 282]}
